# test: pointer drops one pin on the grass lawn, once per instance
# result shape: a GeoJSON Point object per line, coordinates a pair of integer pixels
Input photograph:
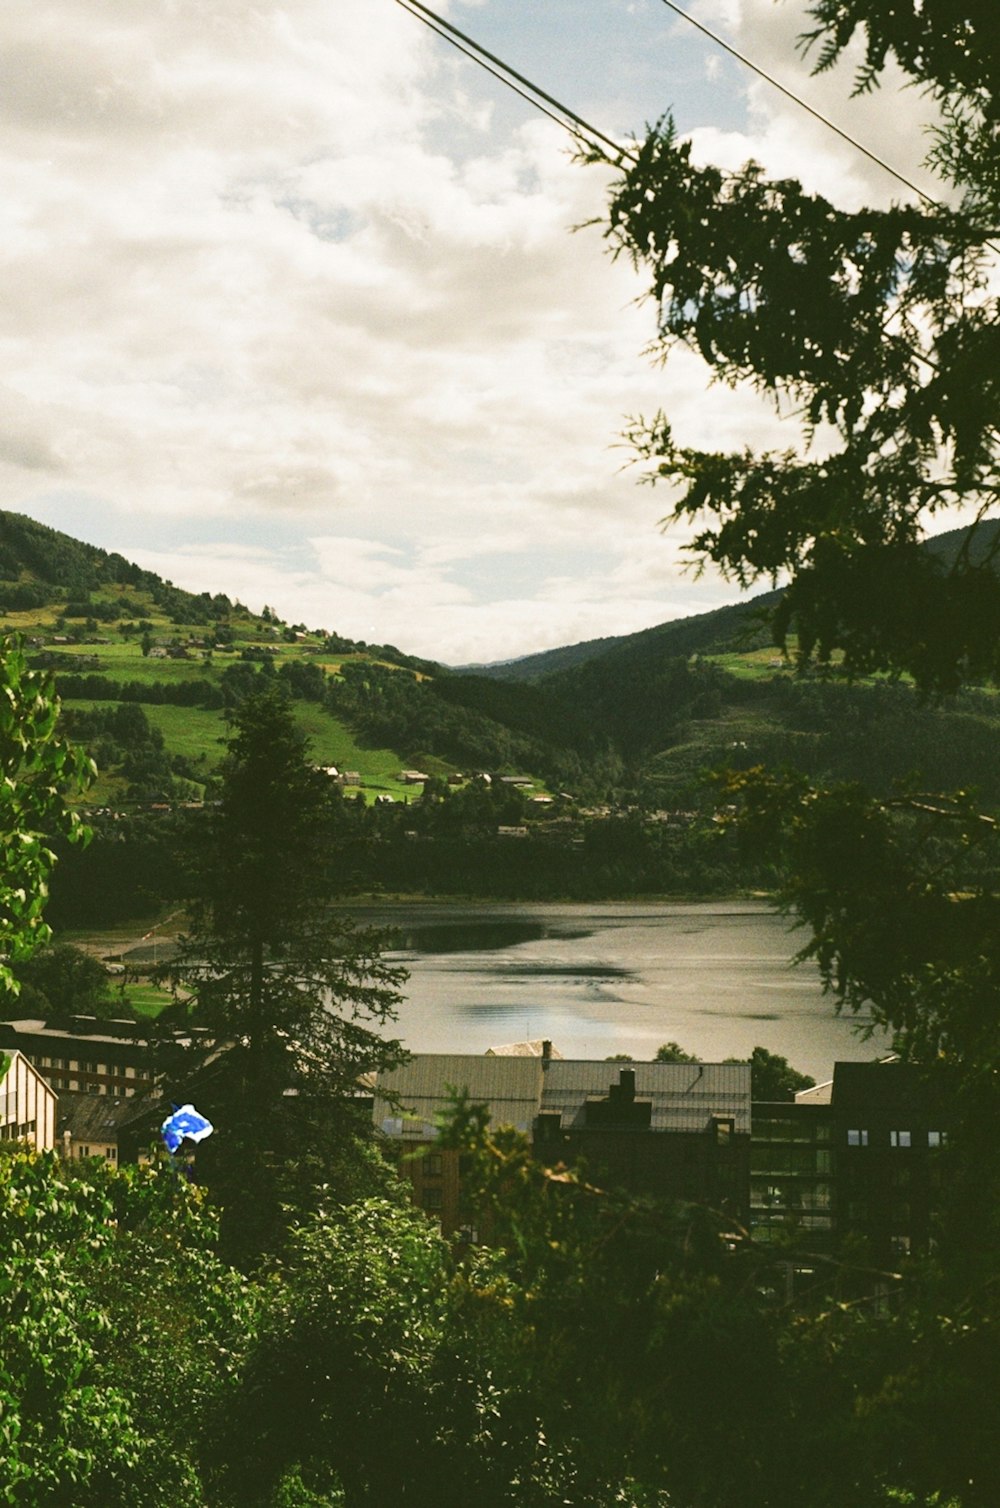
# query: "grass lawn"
{"type": "Point", "coordinates": [759, 664]}
{"type": "Point", "coordinates": [147, 999]}
{"type": "Point", "coordinates": [330, 742]}
{"type": "Point", "coordinates": [196, 732]}
{"type": "Point", "coordinates": [201, 735]}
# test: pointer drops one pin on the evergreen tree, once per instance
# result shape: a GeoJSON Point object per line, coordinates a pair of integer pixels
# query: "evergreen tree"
{"type": "Point", "coordinates": [880, 325]}
{"type": "Point", "coordinates": [287, 999]}
{"type": "Point", "coordinates": [883, 325]}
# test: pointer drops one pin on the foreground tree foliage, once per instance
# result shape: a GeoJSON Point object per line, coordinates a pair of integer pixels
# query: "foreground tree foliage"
{"type": "Point", "coordinates": [879, 330]}
{"type": "Point", "coordinates": [117, 1323]}
{"type": "Point", "coordinates": [880, 326]}
{"type": "Point", "coordinates": [600, 1350]}
{"type": "Point", "coordinates": [38, 767]}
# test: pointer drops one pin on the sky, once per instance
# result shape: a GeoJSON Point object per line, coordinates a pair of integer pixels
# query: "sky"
{"type": "Point", "coordinates": [297, 306]}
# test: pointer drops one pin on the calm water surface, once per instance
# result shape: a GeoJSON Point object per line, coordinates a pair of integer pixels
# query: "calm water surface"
{"type": "Point", "coordinates": [716, 977]}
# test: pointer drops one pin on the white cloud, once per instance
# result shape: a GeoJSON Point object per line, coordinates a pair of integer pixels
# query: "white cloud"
{"type": "Point", "coordinates": [277, 274]}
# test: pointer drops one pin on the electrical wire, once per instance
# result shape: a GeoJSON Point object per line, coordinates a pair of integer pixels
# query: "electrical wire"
{"type": "Point", "coordinates": [798, 100]}
{"type": "Point", "coordinates": [581, 129]}
{"type": "Point", "coordinates": [567, 118]}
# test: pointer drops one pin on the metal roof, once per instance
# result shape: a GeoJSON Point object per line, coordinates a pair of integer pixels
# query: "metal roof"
{"type": "Point", "coordinates": [684, 1096]}
{"type": "Point", "coordinates": [120, 1033]}
{"type": "Point", "coordinates": [510, 1086]}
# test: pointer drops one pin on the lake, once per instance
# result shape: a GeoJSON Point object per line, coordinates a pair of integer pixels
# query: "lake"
{"type": "Point", "coordinates": [716, 977]}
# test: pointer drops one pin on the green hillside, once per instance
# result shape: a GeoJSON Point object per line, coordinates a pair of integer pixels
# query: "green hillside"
{"type": "Point", "coordinates": [148, 674]}
{"type": "Point", "coordinates": [596, 755]}
{"type": "Point", "coordinates": [741, 628]}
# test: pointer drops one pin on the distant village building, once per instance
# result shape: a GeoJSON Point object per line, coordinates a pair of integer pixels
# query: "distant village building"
{"type": "Point", "coordinates": [85, 1054]}
{"type": "Point", "coordinates": [675, 1130]}
{"type": "Point", "coordinates": [413, 777]}
{"type": "Point", "coordinates": [88, 1125]}
{"type": "Point", "coordinates": [27, 1103]}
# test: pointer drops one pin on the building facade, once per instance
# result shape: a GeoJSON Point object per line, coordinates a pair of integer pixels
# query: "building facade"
{"type": "Point", "coordinates": [859, 1161]}
{"type": "Point", "coordinates": [28, 1104]}
{"type": "Point", "coordinates": [85, 1055]}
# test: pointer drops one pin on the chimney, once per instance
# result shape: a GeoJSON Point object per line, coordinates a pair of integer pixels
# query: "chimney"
{"type": "Point", "coordinates": [626, 1085]}
{"type": "Point", "coordinates": [546, 1050]}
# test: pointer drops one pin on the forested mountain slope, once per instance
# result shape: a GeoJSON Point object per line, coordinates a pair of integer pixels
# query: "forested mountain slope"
{"type": "Point", "coordinates": [148, 674]}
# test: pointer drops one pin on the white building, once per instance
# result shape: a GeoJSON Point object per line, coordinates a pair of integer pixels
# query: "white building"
{"type": "Point", "coordinates": [27, 1103]}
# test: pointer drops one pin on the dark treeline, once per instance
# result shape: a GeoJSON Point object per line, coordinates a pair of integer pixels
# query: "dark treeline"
{"type": "Point", "coordinates": [98, 688]}
{"type": "Point", "coordinates": [446, 846]}
{"type": "Point", "coordinates": [624, 727]}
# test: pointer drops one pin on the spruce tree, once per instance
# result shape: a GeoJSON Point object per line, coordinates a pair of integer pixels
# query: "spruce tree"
{"type": "Point", "coordinates": [287, 999]}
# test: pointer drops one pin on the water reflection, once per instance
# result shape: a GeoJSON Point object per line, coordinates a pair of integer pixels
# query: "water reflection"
{"type": "Point", "coordinates": [488, 935]}
{"type": "Point", "coordinates": [604, 979]}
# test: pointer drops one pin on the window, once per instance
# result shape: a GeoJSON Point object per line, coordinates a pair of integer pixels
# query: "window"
{"type": "Point", "coordinates": [433, 1165]}
{"type": "Point", "coordinates": [432, 1198]}
{"type": "Point", "coordinates": [725, 1126]}
{"type": "Point", "coordinates": [900, 1139]}
{"type": "Point", "coordinates": [83, 1152]}
{"type": "Point", "coordinates": [857, 1138]}
{"type": "Point", "coordinates": [111, 1153]}
{"type": "Point", "coordinates": [937, 1138]}
{"type": "Point", "coordinates": [900, 1245]}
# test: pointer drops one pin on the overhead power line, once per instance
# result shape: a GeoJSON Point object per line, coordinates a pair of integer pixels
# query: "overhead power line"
{"type": "Point", "coordinates": [798, 100]}
{"type": "Point", "coordinates": [542, 101]}
{"type": "Point", "coordinates": [582, 129]}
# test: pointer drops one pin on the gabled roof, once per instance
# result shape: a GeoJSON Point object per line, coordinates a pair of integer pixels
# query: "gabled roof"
{"type": "Point", "coordinates": [533, 1049]}
{"type": "Point", "coordinates": [91, 1117]}
{"type": "Point", "coordinates": [13, 1058]}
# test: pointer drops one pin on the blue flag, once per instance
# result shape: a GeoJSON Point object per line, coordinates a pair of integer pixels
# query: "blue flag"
{"type": "Point", "coordinates": [185, 1122]}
